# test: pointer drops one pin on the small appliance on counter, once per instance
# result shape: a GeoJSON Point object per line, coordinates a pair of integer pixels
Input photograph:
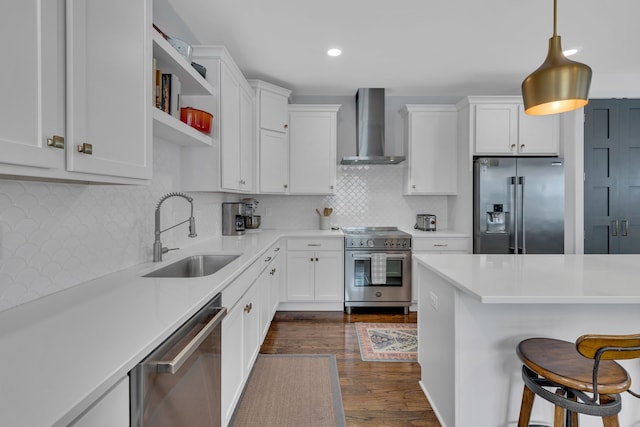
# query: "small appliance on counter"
{"type": "Point", "coordinates": [425, 222]}
{"type": "Point", "coordinates": [251, 220]}
{"type": "Point", "coordinates": [233, 219]}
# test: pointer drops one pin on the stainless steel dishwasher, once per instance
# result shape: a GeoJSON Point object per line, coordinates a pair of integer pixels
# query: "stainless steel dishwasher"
{"type": "Point", "coordinates": [178, 384]}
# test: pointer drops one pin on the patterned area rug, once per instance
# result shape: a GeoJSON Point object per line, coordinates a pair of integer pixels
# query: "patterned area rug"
{"type": "Point", "coordinates": [388, 342]}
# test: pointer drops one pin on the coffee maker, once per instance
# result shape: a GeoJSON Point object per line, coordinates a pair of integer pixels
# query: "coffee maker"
{"type": "Point", "coordinates": [233, 219]}
{"type": "Point", "coordinates": [251, 220]}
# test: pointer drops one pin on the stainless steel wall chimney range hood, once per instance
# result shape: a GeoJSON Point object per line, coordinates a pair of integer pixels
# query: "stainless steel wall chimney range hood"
{"type": "Point", "coordinates": [370, 130]}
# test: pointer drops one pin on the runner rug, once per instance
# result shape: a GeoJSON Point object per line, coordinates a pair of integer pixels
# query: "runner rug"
{"type": "Point", "coordinates": [388, 342]}
{"type": "Point", "coordinates": [292, 390]}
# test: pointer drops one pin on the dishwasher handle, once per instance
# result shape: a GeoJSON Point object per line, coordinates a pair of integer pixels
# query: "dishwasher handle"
{"type": "Point", "coordinates": [172, 366]}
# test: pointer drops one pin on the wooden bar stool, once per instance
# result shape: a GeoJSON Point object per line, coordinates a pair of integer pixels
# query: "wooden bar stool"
{"type": "Point", "coordinates": [578, 378]}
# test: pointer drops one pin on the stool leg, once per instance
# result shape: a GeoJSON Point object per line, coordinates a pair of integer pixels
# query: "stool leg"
{"type": "Point", "coordinates": [558, 416]}
{"type": "Point", "coordinates": [558, 412]}
{"type": "Point", "coordinates": [610, 421]}
{"type": "Point", "coordinates": [525, 407]}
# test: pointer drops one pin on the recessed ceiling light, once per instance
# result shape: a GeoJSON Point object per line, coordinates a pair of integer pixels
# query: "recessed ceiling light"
{"type": "Point", "coordinates": [334, 52]}
{"type": "Point", "coordinates": [570, 52]}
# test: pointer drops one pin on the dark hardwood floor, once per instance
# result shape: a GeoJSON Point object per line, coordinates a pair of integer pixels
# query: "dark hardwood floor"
{"type": "Point", "coordinates": [373, 393]}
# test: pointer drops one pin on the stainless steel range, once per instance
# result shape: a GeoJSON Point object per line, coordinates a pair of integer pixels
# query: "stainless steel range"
{"type": "Point", "coordinates": [377, 267]}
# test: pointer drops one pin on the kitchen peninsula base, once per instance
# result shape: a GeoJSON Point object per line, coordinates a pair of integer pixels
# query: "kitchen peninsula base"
{"type": "Point", "coordinates": [474, 309]}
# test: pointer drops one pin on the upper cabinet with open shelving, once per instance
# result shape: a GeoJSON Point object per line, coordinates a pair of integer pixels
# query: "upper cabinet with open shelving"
{"type": "Point", "coordinates": [165, 126]}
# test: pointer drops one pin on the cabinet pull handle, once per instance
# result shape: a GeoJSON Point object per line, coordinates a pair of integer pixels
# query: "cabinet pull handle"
{"type": "Point", "coordinates": [85, 148]}
{"type": "Point", "coordinates": [267, 259]}
{"type": "Point", "coordinates": [614, 226]}
{"type": "Point", "coordinates": [316, 259]}
{"type": "Point", "coordinates": [625, 227]}
{"type": "Point", "coordinates": [513, 146]}
{"type": "Point", "coordinates": [311, 259]}
{"type": "Point", "coordinates": [314, 244]}
{"type": "Point", "coordinates": [286, 126]}
{"type": "Point", "coordinates": [248, 307]}
{"type": "Point", "coordinates": [286, 186]}
{"type": "Point", "coordinates": [276, 249]}
{"type": "Point", "coordinates": [440, 245]}
{"type": "Point", "coordinates": [56, 141]}
{"type": "Point", "coordinates": [522, 146]}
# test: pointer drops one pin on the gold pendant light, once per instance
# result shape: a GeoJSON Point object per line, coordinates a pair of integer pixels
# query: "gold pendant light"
{"type": "Point", "coordinates": [559, 84]}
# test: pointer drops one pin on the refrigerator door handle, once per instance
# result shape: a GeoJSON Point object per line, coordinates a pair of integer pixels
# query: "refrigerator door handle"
{"type": "Point", "coordinates": [625, 228]}
{"type": "Point", "coordinates": [614, 228]}
{"type": "Point", "coordinates": [514, 204]}
{"type": "Point", "coordinates": [523, 232]}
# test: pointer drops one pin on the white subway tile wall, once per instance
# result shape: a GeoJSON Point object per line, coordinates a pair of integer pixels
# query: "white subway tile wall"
{"type": "Point", "coordinates": [368, 195]}
{"type": "Point", "coordinates": [54, 236]}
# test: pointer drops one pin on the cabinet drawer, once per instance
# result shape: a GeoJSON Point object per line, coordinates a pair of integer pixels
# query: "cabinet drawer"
{"type": "Point", "coordinates": [320, 244]}
{"type": "Point", "coordinates": [442, 244]}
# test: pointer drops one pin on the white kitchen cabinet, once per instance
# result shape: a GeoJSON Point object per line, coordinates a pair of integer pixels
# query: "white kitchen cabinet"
{"type": "Point", "coordinates": [232, 360]}
{"type": "Point", "coordinates": [228, 165]}
{"type": "Point", "coordinates": [499, 126]}
{"type": "Point", "coordinates": [538, 135]}
{"type": "Point", "coordinates": [249, 301]}
{"type": "Point", "coordinates": [240, 346]}
{"type": "Point", "coordinates": [236, 142]}
{"type": "Point", "coordinates": [70, 75]}
{"type": "Point", "coordinates": [275, 271]}
{"type": "Point", "coordinates": [274, 162]}
{"type": "Point", "coordinates": [312, 148]}
{"type": "Point", "coordinates": [272, 128]}
{"type": "Point", "coordinates": [315, 278]}
{"type": "Point", "coordinates": [269, 285]}
{"type": "Point", "coordinates": [111, 410]}
{"type": "Point", "coordinates": [33, 106]}
{"type": "Point", "coordinates": [426, 243]}
{"type": "Point", "coordinates": [271, 102]}
{"type": "Point", "coordinates": [251, 328]}
{"type": "Point", "coordinates": [109, 88]}
{"type": "Point", "coordinates": [431, 145]}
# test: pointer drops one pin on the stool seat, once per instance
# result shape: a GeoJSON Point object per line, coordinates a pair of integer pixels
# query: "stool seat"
{"type": "Point", "coordinates": [560, 362]}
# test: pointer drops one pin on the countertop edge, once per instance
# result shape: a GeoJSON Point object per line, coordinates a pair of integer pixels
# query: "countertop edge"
{"type": "Point", "coordinates": [55, 303]}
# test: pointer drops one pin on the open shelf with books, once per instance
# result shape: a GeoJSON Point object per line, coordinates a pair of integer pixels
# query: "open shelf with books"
{"type": "Point", "coordinates": [171, 66]}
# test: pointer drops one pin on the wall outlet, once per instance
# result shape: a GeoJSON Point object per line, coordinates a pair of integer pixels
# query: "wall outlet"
{"type": "Point", "coordinates": [433, 299]}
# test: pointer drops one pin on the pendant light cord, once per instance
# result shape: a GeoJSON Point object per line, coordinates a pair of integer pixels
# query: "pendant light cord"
{"type": "Point", "coordinates": [555, 14]}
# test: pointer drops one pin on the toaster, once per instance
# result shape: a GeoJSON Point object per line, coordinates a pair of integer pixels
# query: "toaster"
{"type": "Point", "coordinates": [425, 222]}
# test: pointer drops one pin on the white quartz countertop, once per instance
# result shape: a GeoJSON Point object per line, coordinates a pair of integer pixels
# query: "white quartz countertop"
{"type": "Point", "coordinates": [544, 279]}
{"type": "Point", "coordinates": [63, 351]}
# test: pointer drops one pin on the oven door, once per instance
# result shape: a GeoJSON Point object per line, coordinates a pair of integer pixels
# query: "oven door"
{"type": "Point", "coordinates": [358, 283]}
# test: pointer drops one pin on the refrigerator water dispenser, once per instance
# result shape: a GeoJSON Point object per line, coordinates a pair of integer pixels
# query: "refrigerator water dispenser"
{"type": "Point", "coordinates": [496, 219]}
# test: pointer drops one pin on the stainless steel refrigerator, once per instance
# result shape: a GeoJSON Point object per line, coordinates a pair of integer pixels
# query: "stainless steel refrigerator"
{"type": "Point", "coordinates": [518, 203]}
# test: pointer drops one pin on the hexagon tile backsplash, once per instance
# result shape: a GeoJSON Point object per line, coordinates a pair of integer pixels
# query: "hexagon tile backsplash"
{"type": "Point", "coordinates": [54, 235]}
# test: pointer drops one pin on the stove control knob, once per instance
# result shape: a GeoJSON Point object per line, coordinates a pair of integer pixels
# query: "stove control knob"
{"type": "Point", "coordinates": [361, 243]}
{"type": "Point", "coordinates": [370, 243]}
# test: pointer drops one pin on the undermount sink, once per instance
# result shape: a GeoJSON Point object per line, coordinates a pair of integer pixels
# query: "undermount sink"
{"type": "Point", "coordinates": [194, 266]}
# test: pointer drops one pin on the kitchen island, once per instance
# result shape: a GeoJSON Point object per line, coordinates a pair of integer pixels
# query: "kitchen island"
{"type": "Point", "coordinates": [473, 310]}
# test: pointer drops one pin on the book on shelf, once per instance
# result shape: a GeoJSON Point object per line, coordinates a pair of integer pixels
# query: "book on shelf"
{"type": "Point", "coordinates": [170, 95]}
{"type": "Point", "coordinates": [157, 83]}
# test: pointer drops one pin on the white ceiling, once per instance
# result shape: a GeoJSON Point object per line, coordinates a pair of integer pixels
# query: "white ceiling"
{"type": "Point", "coordinates": [413, 47]}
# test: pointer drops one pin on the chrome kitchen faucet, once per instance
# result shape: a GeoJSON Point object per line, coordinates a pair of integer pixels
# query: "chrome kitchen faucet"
{"type": "Point", "coordinates": [158, 249]}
